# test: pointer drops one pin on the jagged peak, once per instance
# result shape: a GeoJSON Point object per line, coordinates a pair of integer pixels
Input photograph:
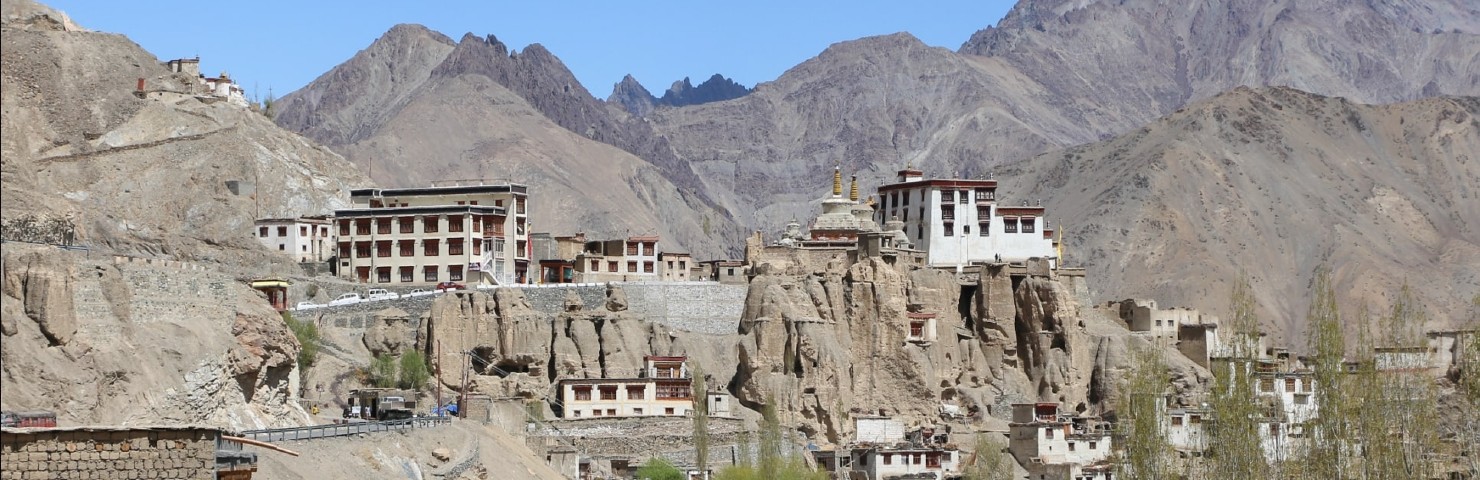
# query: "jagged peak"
{"type": "Point", "coordinates": [406, 30]}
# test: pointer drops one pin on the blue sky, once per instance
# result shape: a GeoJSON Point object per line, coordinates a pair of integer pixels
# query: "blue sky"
{"type": "Point", "coordinates": [284, 45]}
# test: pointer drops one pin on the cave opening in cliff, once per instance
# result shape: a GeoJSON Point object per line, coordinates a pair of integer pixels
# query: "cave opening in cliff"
{"type": "Point", "coordinates": [482, 358]}
{"type": "Point", "coordinates": [963, 306]}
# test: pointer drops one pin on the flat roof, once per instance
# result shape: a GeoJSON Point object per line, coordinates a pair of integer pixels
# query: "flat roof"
{"type": "Point", "coordinates": [940, 182]}
{"type": "Point", "coordinates": [623, 380]}
{"type": "Point", "coordinates": [373, 212]}
{"type": "Point", "coordinates": [397, 192]}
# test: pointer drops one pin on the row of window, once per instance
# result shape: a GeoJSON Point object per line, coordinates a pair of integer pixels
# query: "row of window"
{"type": "Point", "coordinates": [899, 199]}
{"type": "Point", "coordinates": [634, 392]}
{"type": "Point", "coordinates": [611, 266]}
{"type": "Point", "coordinates": [430, 273]}
{"type": "Point", "coordinates": [430, 224]}
{"type": "Point", "coordinates": [1267, 385]}
{"type": "Point", "coordinates": [282, 231]}
{"type": "Point", "coordinates": [642, 249]}
{"type": "Point", "coordinates": [431, 247]}
{"type": "Point", "coordinates": [930, 460]}
{"type": "Point", "coordinates": [612, 412]}
{"type": "Point", "coordinates": [496, 203]}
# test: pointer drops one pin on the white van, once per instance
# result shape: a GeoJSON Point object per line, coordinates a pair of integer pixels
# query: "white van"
{"type": "Point", "coordinates": [382, 294]}
{"type": "Point", "coordinates": [350, 298]}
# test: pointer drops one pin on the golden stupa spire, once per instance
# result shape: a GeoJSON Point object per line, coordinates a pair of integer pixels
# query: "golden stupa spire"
{"type": "Point", "coordinates": [853, 191]}
{"type": "Point", "coordinates": [838, 181]}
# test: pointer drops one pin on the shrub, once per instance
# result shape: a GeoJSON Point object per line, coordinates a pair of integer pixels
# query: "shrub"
{"type": "Point", "coordinates": [383, 371]}
{"type": "Point", "coordinates": [414, 373]}
{"type": "Point", "coordinates": [658, 469]}
{"type": "Point", "coordinates": [308, 339]}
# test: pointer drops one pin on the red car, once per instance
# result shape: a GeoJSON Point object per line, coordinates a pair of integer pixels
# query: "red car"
{"type": "Point", "coordinates": [451, 286]}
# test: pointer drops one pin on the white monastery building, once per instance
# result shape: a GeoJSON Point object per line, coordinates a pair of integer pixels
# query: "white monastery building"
{"type": "Point", "coordinates": [959, 222]}
{"type": "Point", "coordinates": [471, 233]}
{"type": "Point", "coordinates": [664, 390]}
{"type": "Point", "coordinates": [306, 239]}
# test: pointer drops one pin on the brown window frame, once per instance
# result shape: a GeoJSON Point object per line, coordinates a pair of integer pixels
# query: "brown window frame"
{"type": "Point", "coordinates": [430, 273]}
{"type": "Point", "coordinates": [454, 273]}
{"type": "Point", "coordinates": [455, 246]}
{"type": "Point", "coordinates": [408, 274]}
{"type": "Point", "coordinates": [455, 224]}
{"type": "Point", "coordinates": [407, 248]}
{"type": "Point", "coordinates": [431, 247]}
{"type": "Point", "coordinates": [430, 223]}
{"type": "Point", "coordinates": [408, 224]}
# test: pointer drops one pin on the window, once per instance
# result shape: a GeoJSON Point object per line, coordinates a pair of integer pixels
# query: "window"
{"type": "Point", "coordinates": [609, 392]}
{"type": "Point", "coordinates": [1093, 445]}
{"type": "Point", "coordinates": [323, 231]}
{"type": "Point", "coordinates": [343, 228]}
{"type": "Point", "coordinates": [477, 246]}
{"type": "Point", "coordinates": [965, 230]}
{"type": "Point", "coordinates": [730, 272]}
{"type": "Point", "coordinates": [1158, 323]}
{"type": "Point", "coordinates": [1274, 429]}
{"type": "Point", "coordinates": [649, 249]}
{"type": "Point", "coordinates": [454, 273]}
{"type": "Point", "coordinates": [1290, 384]}
{"type": "Point", "coordinates": [965, 195]}
{"type": "Point", "coordinates": [282, 247]}
{"type": "Point", "coordinates": [408, 225]}
{"type": "Point", "coordinates": [917, 329]}
{"type": "Point", "coordinates": [262, 232]}
{"type": "Point", "coordinates": [888, 459]}
{"type": "Point", "coordinates": [636, 392]}
{"type": "Point", "coordinates": [282, 231]}
{"type": "Point", "coordinates": [637, 411]}
{"type": "Point", "coordinates": [632, 266]}
{"type": "Point", "coordinates": [383, 275]}
{"type": "Point", "coordinates": [460, 202]}
{"type": "Point", "coordinates": [477, 225]}
{"type": "Point", "coordinates": [677, 391]}
{"type": "Point", "coordinates": [670, 264]}
{"type": "Point", "coordinates": [1266, 384]}
{"type": "Point", "coordinates": [1195, 419]}
{"type": "Point", "coordinates": [408, 248]}
{"type": "Point", "coordinates": [406, 274]}
{"type": "Point", "coordinates": [1302, 399]}
{"type": "Point", "coordinates": [1048, 432]}
{"type": "Point", "coordinates": [363, 274]}
{"type": "Point", "coordinates": [303, 248]}
{"type": "Point", "coordinates": [632, 248]}
{"type": "Point", "coordinates": [472, 202]}
{"type": "Point", "coordinates": [596, 413]}
{"type": "Point", "coordinates": [521, 206]}
{"type": "Point", "coordinates": [982, 228]}
{"type": "Point", "coordinates": [611, 265]}
{"type": "Point", "coordinates": [583, 393]}
{"type": "Point", "coordinates": [455, 224]}
{"type": "Point", "coordinates": [668, 411]}
{"type": "Point", "coordinates": [429, 224]}
{"type": "Point", "coordinates": [950, 229]}
{"type": "Point", "coordinates": [521, 251]}
{"type": "Point", "coordinates": [1010, 225]}
{"type": "Point", "coordinates": [429, 273]}
{"type": "Point", "coordinates": [906, 217]}
{"type": "Point", "coordinates": [1177, 421]}
{"type": "Point", "coordinates": [947, 196]}
{"type": "Point", "coordinates": [596, 265]}
{"type": "Point", "coordinates": [906, 198]}
{"type": "Point", "coordinates": [647, 267]}
{"type": "Point", "coordinates": [344, 249]}
{"type": "Point", "coordinates": [575, 413]}
{"type": "Point", "coordinates": [431, 247]}
{"type": "Point", "coordinates": [611, 412]}
{"type": "Point", "coordinates": [362, 249]}
{"type": "Point", "coordinates": [1029, 224]}
{"type": "Point", "coordinates": [362, 227]}
{"type": "Point", "coordinates": [488, 224]}
{"type": "Point", "coordinates": [454, 246]}
{"type": "Point", "coordinates": [383, 226]}
{"type": "Point", "coordinates": [983, 195]}
{"type": "Point", "coordinates": [383, 248]}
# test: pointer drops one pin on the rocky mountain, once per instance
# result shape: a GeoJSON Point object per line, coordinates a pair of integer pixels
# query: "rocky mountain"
{"type": "Point", "coordinates": [474, 109]}
{"type": "Point", "coordinates": [635, 99]}
{"type": "Point", "coordinates": [1272, 183]}
{"type": "Point", "coordinates": [155, 193]}
{"type": "Point", "coordinates": [1052, 74]}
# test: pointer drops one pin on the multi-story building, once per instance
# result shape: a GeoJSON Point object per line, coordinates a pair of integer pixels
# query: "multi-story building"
{"type": "Point", "coordinates": [1056, 446]}
{"type": "Point", "coordinates": [306, 239]}
{"type": "Point", "coordinates": [675, 266]}
{"type": "Point", "coordinates": [881, 450]}
{"type": "Point", "coordinates": [664, 390]}
{"type": "Point", "coordinates": [474, 233]}
{"type": "Point", "coordinates": [958, 222]}
{"type": "Point", "coordinates": [633, 259]}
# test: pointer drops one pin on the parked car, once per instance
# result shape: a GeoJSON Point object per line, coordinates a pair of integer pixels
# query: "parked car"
{"type": "Point", "coordinates": [307, 306]}
{"type": "Point", "coordinates": [350, 298]}
{"type": "Point", "coordinates": [383, 294]}
{"type": "Point", "coordinates": [420, 292]}
{"type": "Point", "coordinates": [451, 286]}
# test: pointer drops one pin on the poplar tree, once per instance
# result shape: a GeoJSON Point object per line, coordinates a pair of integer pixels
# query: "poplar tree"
{"type": "Point", "coordinates": [988, 462]}
{"type": "Point", "coordinates": [701, 419]}
{"type": "Point", "coordinates": [1233, 435]}
{"type": "Point", "coordinates": [1399, 403]}
{"type": "Point", "coordinates": [1147, 454]}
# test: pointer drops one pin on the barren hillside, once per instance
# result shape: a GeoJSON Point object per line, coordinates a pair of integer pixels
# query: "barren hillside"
{"type": "Point", "coordinates": [1273, 183]}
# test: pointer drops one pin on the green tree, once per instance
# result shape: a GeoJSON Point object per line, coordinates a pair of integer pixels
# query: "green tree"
{"type": "Point", "coordinates": [383, 371]}
{"type": "Point", "coordinates": [658, 469]}
{"type": "Point", "coordinates": [1328, 452]}
{"type": "Point", "coordinates": [307, 334]}
{"type": "Point", "coordinates": [1397, 408]}
{"type": "Point", "coordinates": [701, 419]}
{"type": "Point", "coordinates": [769, 457]}
{"type": "Point", "coordinates": [414, 373]}
{"type": "Point", "coordinates": [1233, 435]}
{"type": "Point", "coordinates": [1147, 455]}
{"type": "Point", "coordinates": [988, 462]}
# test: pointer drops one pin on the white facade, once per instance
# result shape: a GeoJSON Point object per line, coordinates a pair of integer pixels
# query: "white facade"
{"type": "Point", "coordinates": [675, 267]}
{"type": "Point", "coordinates": [634, 259]}
{"type": "Point", "coordinates": [874, 429]}
{"type": "Point", "coordinates": [1047, 443]}
{"type": "Point", "coordinates": [1184, 429]}
{"type": "Point", "coordinates": [664, 390]}
{"type": "Point", "coordinates": [435, 234]}
{"type": "Point", "coordinates": [958, 221]}
{"type": "Point", "coordinates": [306, 239]}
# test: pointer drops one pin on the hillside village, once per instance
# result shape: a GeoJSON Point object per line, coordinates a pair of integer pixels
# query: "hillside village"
{"type": "Point", "coordinates": [908, 326]}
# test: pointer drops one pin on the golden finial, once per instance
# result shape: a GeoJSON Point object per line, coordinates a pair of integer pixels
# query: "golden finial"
{"type": "Point", "coordinates": [838, 181]}
{"type": "Point", "coordinates": [853, 191]}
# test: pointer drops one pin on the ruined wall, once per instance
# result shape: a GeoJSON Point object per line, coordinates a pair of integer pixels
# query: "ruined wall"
{"type": "Point", "coordinates": [108, 454]}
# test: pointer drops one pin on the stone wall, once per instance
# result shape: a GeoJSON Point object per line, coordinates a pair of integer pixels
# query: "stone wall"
{"type": "Point", "coordinates": [108, 454]}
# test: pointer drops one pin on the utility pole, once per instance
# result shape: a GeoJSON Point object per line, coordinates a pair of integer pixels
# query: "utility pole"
{"type": "Point", "coordinates": [462, 399]}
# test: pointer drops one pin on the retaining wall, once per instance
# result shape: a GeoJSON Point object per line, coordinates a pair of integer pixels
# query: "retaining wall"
{"type": "Point", "coordinates": [109, 454]}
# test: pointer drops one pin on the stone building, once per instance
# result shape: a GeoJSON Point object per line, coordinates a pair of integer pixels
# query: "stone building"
{"type": "Point", "coordinates": [1053, 445]}
{"type": "Point", "coordinates": [958, 221]}
{"type": "Point", "coordinates": [220, 86]}
{"type": "Point", "coordinates": [123, 452]}
{"type": "Point", "coordinates": [472, 233]}
{"type": "Point", "coordinates": [675, 266]}
{"type": "Point", "coordinates": [631, 259]}
{"type": "Point", "coordinates": [306, 239]}
{"type": "Point", "coordinates": [665, 389]}
{"type": "Point", "coordinates": [881, 450]}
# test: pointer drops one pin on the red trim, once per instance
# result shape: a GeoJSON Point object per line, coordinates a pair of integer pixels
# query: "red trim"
{"type": "Point", "coordinates": [1029, 211]}
{"type": "Point", "coordinates": [660, 358]}
{"type": "Point", "coordinates": [919, 315]}
{"type": "Point", "coordinates": [940, 183]}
